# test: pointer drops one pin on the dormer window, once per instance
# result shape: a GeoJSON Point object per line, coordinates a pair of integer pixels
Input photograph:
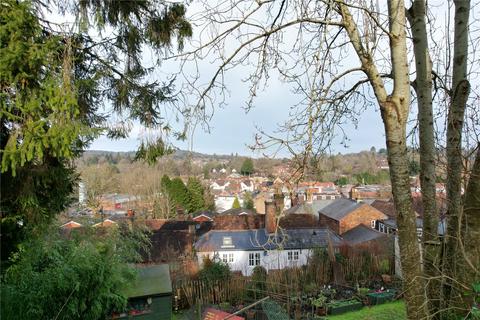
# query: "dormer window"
{"type": "Point", "coordinates": [227, 242]}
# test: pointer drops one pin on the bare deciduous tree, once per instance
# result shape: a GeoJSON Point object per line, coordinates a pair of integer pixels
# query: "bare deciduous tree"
{"type": "Point", "coordinates": [341, 58]}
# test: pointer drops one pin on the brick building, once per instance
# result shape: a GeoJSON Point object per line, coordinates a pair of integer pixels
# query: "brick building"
{"type": "Point", "coordinates": [343, 215]}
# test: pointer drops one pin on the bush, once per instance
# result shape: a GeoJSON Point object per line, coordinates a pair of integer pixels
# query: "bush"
{"type": "Point", "coordinates": [213, 271]}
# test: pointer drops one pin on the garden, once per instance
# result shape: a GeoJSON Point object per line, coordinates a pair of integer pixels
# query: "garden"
{"type": "Point", "coordinates": [323, 288]}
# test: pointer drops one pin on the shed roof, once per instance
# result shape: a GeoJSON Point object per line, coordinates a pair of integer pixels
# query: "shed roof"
{"type": "Point", "coordinates": [151, 280]}
{"type": "Point", "coordinates": [340, 208]}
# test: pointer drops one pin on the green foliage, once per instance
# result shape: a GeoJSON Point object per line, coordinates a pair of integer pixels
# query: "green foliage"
{"type": "Point", "coordinates": [196, 200]}
{"type": "Point", "coordinates": [384, 266]}
{"type": "Point", "coordinates": [214, 271]}
{"type": "Point", "coordinates": [387, 311]}
{"type": "Point", "coordinates": [247, 167]}
{"type": "Point", "coordinates": [342, 181]}
{"type": "Point", "coordinates": [80, 277]}
{"type": "Point", "coordinates": [31, 199]}
{"type": "Point", "coordinates": [259, 274]}
{"type": "Point", "coordinates": [178, 193]}
{"type": "Point", "coordinates": [380, 177]}
{"type": "Point", "coordinates": [320, 301]}
{"type": "Point", "coordinates": [191, 197]}
{"type": "Point", "coordinates": [236, 204]}
{"type": "Point", "coordinates": [54, 85]}
{"type": "Point", "coordinates": [362, 293]}
{"type": "Point", "coordinates": [150, 152]}
{"type": "Point", "coordinates": [38, 102]}
{"type": "Point", "coordinates": [248, 201]}
{"type": "Point", "coordinates": [206, 172]}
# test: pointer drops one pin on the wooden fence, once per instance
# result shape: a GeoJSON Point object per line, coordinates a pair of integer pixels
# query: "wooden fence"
{"type": "Point", "coordinates": [282, 284]}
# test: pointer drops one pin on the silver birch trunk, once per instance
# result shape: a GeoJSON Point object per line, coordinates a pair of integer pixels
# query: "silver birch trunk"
{"type": "Point", "coordinates": [470, 231]}
{"type": "Point", "coordinates": [394, 109]}
{"type": "Point", "coordinates": [423, 89]}
{"type": "Point", "coordinates": [460, 92]}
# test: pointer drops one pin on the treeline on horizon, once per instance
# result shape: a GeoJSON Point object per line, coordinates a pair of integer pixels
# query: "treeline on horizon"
{"type": "Point", "coordinates": [129, 176]}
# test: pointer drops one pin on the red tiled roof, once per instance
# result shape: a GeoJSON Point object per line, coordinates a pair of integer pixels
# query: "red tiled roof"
{"type": "Point", "coordinates": [214, 314]}
{"type": "Point", "coordinates": [71, 225]}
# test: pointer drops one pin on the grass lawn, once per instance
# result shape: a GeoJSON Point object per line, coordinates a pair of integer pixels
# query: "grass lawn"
{"type": "Point", "coordinates": [387, 311]}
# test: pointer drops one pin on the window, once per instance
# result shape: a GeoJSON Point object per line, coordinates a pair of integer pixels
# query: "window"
{"type": "Point", "coordinates": [382, 227]}
{"type": "Point", "coordinates": [227, 242]}
{"type": "Point", "coordinates": [293, 255]}
{"type": "Point", "coordinates": [224, 257]}
{"type": "Point", "coordinates": [254, 259]}
{"type": "Point", "coordinates": [372, 224]}
{"type": "Point", "coordinates": [230, 257]}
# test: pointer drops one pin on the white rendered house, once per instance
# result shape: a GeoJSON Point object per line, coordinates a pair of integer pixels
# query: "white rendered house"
{"type": "Point", "coordinates": [243, 250]}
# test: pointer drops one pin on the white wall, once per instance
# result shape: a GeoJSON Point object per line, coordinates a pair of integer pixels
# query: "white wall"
{"type": "Point", "coordinates": [270, 260]}
{"type": "Point", "coordinates": [225, 203]}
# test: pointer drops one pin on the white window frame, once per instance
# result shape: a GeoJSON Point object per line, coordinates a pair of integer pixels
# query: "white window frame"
{"type": "Point", "coordinates": [224, 257]}
{"type": "Point", "coordinates": [231, 258]}
{"type": "Point", "coordinates": [372, 224]}
{"type": "Point", "coordinates": [253, 259]}
{"type": "Point", "coordinates": [293, 255]}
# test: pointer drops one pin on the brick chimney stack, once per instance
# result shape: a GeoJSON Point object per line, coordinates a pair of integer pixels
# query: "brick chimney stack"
{"type": "Point", "coordinates": [270, 216]}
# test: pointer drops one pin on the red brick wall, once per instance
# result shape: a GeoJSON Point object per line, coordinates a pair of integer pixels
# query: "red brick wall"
{"type": "Point", "coordinates": [243, 222]}
{"type": "Point", "coordinates": [363, 215]}
{"type": "Point", "coordinates": [298, 220]}
{"type": "Point", "coordinates": [324, 221]}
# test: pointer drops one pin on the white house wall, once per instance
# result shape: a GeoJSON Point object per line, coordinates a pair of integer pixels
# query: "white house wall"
{"type": "Point", "coordinates": [225, 203]}
{"type": "Point", "coordinates": [270, 260]}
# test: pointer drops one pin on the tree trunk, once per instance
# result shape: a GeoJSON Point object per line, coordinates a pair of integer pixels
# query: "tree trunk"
{"type": "Point", "coordinates": [407, 232]}
{"type": "Point", "coordinates": [394, 109]}
{"type": "Point", "coordinates": [470, 229]}
{"type": "Point", "coordinates": [460, 92]}
{"type": "Point", "coordinates": [423, 89]}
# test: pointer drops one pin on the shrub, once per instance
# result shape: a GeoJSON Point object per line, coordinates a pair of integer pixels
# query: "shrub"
{"type": "Point", "coordinates": [213, 271]}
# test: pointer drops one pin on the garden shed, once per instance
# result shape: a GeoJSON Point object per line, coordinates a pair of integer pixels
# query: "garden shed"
{"type": "Point", "coordinates": [150, 296]}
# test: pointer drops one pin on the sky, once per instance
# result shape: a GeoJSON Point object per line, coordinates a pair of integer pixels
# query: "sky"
{"type": "Point", "coordinates": [232, 129]}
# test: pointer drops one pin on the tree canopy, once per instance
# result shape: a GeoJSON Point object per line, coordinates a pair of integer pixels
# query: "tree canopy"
{"type": "Point", "coordinates": [79, 277]}
{"type": "Point", "coordinates": [236, 204]}
{"type": "Point", "coordinates": [61, 89]}
{"type": "Point", "coordinates": [247, 167]}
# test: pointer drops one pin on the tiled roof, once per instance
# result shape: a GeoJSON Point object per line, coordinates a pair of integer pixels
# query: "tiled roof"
{"type": "Point", "coordinates": [71, 225]}
{"type": "Point", "coordinates": [237, 211]}
{"type": "Point", "coordinates": [362, 233]}
{"type": "Point", "coordinates": [254, 240]}
{"type": "Point", "coordinates": [387, 207]}
{"type": "Point", "coordinates": [309, 208]}
{"type": "Point", "coordinates": [340, 208]}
